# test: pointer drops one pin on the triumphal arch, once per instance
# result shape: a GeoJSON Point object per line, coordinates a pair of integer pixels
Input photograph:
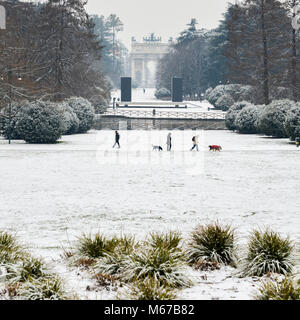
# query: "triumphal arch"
{"type": "Point", "coordinates": [144, 58]}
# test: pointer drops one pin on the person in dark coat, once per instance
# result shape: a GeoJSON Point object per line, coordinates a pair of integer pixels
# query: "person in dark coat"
{"type": "Point", "coordinates": [169, 142]}
{"type": "Point", "coordinates": [117, 139]}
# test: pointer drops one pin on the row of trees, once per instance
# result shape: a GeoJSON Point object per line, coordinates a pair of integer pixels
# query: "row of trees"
{"type": "Point", "coordinates": [255, 44]}
{"type": "Point", "coordinates": [197, 57]}
{"type": "Point", "coordinates": [262, 46]}
{"type": "Point", "coordinates": [49, 51]}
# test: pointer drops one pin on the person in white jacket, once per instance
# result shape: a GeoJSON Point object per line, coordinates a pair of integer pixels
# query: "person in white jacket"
{"type": "Point", "coordinates": [195, 142]}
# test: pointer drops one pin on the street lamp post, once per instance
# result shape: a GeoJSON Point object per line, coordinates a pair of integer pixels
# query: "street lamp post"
{"type": "Point", "coordinates": [9, 106]}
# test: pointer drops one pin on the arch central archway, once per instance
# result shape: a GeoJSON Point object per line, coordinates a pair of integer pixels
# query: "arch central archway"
{"type": "Point", "coordinates": [144, 58]}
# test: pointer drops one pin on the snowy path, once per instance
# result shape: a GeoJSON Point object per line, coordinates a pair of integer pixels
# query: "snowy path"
{"type": "Point", "coordinates": [50, 194]}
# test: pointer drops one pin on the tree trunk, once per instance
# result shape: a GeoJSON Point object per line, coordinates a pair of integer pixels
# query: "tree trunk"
{"type": "Point", "coordinates": [265, 56]}
{"type": "Point", "coordinates": [294, 60]}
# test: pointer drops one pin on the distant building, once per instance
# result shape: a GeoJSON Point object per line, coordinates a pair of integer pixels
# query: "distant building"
{"type": "Point", "coordinates": [144, 57]}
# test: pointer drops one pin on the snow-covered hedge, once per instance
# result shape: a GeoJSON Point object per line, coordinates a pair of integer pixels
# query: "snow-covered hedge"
{"type": "Point", "coordinates": [224, 102]}
{"type": "Point", "coordinates": [246, 120]}
{"type": "Point", "coordinates": [292, 122]}
{"type": "Point", "coordinates": [162, 93]}
{"type": "Point", "coordinates": [281, 93]}
{"type": "Point", "coordinates": [233, 112]}
{"type": "Point", "coordinates": [70, 120]}
{"type": "Point", "coordinates": [39, 122]}
{"type": "Point", "coordinates": [6, 129]}
{"type": "Point", "coordinates": [233, 90]}
{"type": "Point", "coordinates": [215, 94]}
{"type": "Point", "coordinates": [272, 118]}
{"type": "Point", "coordinates": [223, 96]}
{"type": "Point", "coordinates": [100, 103]}
{"type": "Point", "coordinates": [207, 93]}
{"type": "Point", "coordinates": [85, 113]}
{"type": "Point", "coordinates": [246, 93]}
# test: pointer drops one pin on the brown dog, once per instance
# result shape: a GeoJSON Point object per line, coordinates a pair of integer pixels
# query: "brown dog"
{"type": "Point", "coordinates": [215, 148]}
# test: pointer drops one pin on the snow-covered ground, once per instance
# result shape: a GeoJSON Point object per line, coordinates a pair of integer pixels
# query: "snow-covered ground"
{"type": "Point", "coordinates": [50, 194]}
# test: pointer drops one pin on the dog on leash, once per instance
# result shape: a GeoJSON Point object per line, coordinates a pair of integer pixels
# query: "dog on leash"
{"type": "Point", "coordinates": [215, 148]}
{"type": "Point", "coordinates": [158, 148]}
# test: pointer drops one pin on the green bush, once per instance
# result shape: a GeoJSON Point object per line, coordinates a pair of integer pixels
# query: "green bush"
{"type": "Point", "coordinates": [292, 122]}
{"type": "Point", "coordinates": [286, 289]}
{"type": "Point", "coordinates": [84, 111]}
{"type": "Point", "coordinates": [99, 103]}
{"type": "Point", "coordinates": [224, 96]}
{"type": "Point", "coordinates": [224, 102]}
{"type": "Point", "coordinates": [10, 130]}
{"type": "Point", "coordinates": [39, 122]}
{"type": "Point", "coordinates": [207, 93]}
{"type": "Point", "coordinates": [215, 94]}
{"type": "Point", "coordinates": [267, 252]}
{"type": "Point", "coordinates": [212, 243]}
{"type": "Point", "coordinates": [246, 120]}
{"type": "Point", "coordinates": [271, 121]}
{"type": "Point", "coordinates": [162, 93]}
{"type": "Point", "coordinates": [233, 112]}
{"type": "Point", "coordinates": [70, 119]}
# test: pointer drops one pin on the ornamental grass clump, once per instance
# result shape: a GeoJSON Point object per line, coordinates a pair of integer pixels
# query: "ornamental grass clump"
{"type": "Point", "coordinates": [94, 246]}
{"type": "Point", "coordinates": [125, 244]}
{"type": "Point", "coordinates": [8, 241]}
{"type": "Point", "coordinates": [165, 266]}
{"type": "Point", "coordinates": [10, 250]}
{"type": "Point", "coordinates": [267, 252]}
{"type": "Point", "coordinates": [24, 276]}
{"type": "Point", "coordinates": [169, 241]}
{"type": "Point", "coordinates": [27, 269]}
{"type": "Point", "coordinates": [212, 243]}
{"type": "Point", "coordinates": [114, 261]}
{"type": "Point", "coordinates": [150, 289]}
{"type": "Point", "coordinates": [49, 288]}
{"type": "Point", "coordinates": [285, 289]}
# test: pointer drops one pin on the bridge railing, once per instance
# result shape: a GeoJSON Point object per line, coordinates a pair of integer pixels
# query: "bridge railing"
{"type": "Point", "coordinates": [166, 114]}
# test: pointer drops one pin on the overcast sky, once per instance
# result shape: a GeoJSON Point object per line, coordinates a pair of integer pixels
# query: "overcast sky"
{"type": "Point", "coordinates": [166, 18]}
